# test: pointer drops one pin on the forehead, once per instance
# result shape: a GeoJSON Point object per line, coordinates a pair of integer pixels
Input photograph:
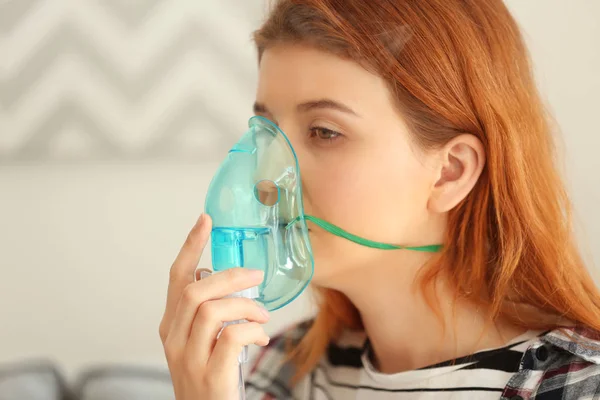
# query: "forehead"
{"type": "Point", "coordinates": [295, 73]}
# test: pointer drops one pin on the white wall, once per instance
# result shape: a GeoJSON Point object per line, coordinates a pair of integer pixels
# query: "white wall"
{"type": "Point", "coordinates": [85, 259]}
{"type": "Point", "coordinates": [85, 249]}
{"type": "Point", "coordinates": [564, 39]}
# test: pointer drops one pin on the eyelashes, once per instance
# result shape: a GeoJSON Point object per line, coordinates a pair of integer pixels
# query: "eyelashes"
{"type": "Point", "coordinates": [324, 136]}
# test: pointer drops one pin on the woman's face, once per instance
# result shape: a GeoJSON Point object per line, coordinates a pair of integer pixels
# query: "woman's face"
{"type": "Point", "coordinates": [360, 170]}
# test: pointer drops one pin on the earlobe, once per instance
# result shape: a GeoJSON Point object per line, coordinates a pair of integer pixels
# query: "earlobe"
{"type": "Point", "coordinates": [461, 162]}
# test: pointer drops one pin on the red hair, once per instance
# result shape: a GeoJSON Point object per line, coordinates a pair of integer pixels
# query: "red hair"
{"type": "Point", "coordinates": [461, 66]}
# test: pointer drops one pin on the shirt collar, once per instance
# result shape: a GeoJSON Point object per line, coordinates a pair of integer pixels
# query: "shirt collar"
{"type": "Point", "coordinates": [579, 340]}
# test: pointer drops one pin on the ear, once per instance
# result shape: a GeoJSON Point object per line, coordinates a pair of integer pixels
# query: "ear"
{"type": "Point", "coordinates": [461, 161]}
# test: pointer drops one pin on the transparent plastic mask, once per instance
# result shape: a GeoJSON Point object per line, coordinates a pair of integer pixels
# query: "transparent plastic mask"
{"type": "Point", "coordinates": [255, 202]}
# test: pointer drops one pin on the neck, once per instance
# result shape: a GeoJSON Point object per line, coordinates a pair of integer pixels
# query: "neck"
{"type": "Point", "coordinates": [404, 331]}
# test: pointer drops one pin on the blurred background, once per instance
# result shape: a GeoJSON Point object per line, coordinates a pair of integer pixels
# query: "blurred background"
{"type": "Point", "coordinates": [114, 115]}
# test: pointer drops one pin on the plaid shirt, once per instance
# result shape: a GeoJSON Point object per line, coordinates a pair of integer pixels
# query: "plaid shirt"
{"type": "Point", "coordinates": [555, 366]}
{"type": "Point", "coordinates": [559, 366]}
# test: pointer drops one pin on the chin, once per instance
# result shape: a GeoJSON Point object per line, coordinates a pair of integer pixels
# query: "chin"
{"type": "Point", "coordinates": [328, 279]}
{"type": "Point", "coordinates": [328, 271]}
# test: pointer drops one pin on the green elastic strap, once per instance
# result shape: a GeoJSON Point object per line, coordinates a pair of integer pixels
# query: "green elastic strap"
{"type": "Point", "coordinates": [365, 242]}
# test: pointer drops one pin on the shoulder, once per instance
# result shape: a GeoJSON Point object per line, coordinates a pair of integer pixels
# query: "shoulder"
{"type": "Point", "coordinates": [563, 364]}
{"type": "Point", "coordinates": [270, 372]}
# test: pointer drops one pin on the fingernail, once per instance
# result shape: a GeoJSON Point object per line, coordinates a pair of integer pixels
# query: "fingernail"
{"type": "Point", "coordinates": [264, 311]}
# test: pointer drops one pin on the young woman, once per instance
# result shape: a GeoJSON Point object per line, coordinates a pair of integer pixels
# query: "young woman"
{"type": "Point", "coordinates": [415, 123]}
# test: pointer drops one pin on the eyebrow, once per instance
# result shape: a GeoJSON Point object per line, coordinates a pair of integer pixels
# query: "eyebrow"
{"type": "Point", "coordinates": [260, 108]}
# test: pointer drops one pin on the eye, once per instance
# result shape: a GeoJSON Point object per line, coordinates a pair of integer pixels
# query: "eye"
{"type": "Point", "coordinates": [324, 134]}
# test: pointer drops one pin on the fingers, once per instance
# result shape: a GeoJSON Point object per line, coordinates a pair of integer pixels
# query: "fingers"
{"type": "Point", "coordinates": [221, 284]}
{"type": "Point", "coordinates": [182, 270]}
{"type": "Point", "coordinates": [194, 315]}
{"type": "Point", "coordinates": [230, 344]}
{"type": "Point", "coordinates": [209, 321]}
{"type": "Point", "coordinates": [213, 287]}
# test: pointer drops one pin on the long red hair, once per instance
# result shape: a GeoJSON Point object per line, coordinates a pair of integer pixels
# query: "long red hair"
{"type": "Point", "coordinates": [461, 66]}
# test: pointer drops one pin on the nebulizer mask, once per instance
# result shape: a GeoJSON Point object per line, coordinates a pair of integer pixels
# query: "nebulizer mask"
{"type": "Point", "coordinates": [255, 202]}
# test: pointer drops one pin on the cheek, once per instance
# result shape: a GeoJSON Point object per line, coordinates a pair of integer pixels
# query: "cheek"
{"type": "Point", "coordinates": [380, 196]}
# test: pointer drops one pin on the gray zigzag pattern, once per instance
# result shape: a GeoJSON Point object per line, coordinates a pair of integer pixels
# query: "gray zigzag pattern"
{"type": "Point", "coordinates": [193, 114]}
{"type": "Point", "coordinates": [11, 13]}
{"type": "Point", "coordinates": [130, 14]}
{"type": "Point", "coordinates": [70, 40]}
{"type": "Point", "coordinates": [70, 111]}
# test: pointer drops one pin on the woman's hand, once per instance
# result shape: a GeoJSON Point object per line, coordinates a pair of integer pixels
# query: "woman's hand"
{"type": "Point", "coordinates": [201, 366]}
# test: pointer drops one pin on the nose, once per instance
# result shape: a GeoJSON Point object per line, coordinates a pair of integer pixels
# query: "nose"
{"type": "Point", "coordinates": [289, 131]}
{"type": "Point", "coordinates": [297, 141]}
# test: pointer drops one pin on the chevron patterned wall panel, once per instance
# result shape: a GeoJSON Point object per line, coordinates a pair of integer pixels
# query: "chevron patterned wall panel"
{"type": "Point", "coordinates": [124, 80]}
